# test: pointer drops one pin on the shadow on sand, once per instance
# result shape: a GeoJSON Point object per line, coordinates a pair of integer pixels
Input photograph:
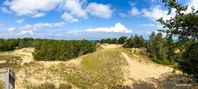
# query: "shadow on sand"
{"type": "Point", "coordinates": [166, 81]}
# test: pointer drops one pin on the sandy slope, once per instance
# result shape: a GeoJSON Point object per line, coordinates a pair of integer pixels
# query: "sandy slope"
{"type": "Point", "coordinates": [25, 55]}
{"type": "Point", "coordinates": [139, 74]}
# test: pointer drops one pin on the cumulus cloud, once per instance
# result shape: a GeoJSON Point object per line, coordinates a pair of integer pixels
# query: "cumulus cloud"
{"type": "Point", "coordinates": [31, 7]}
{"type": "Point", "coordinates": [156, 13]}
{"type": "Point", "coordinates": [74, 8]}
{"type": "Point", "coordinates": [152, 13]}
{"type": "Point", "coordinates": [100, 10]}
{"type": "Point", "coordinates": [117, 28]}
{"type": "Point", "coordinates": [68, 17]}
{"type": "Point", "coordinates": [134, 11]}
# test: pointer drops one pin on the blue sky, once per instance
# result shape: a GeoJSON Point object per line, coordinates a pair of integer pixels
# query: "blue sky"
{"type": "Point", "coordinates": [81, 19]}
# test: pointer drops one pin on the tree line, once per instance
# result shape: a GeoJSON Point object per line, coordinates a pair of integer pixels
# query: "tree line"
{"type": "Point", "coordinates": [50, 49]}
{"type": "Point", "coordinates": [135, 41]}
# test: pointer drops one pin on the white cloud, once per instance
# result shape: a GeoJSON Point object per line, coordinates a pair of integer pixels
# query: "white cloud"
{"type": "Point", "coordinates": [192, 3]}
{"type": "Point", "coordinates": [68, 17]}
{"type": "Point", "coordinates": [75, 8]}
{"type": "Point", "coordinates": [157, 25]}
{"type": "Point", "coordinates": [11, 29]}
{"type": "Point", "coordinates": [118, 28]}
{"type": "Point", "coordinates": [134, 11]}
{"type": "Point", "coordinates": [41, 25]}
{"type": "Point", "coordinates": [31, 7]}
{"type": "Point", "coordinates": [156, 13]}
{"type": "Point", "coordinates": [19, 21]}
{"type": "Point", "coordinates": [100, 10]}
{"type": "Point", "coordinates": [152, 13]}
{"type": "Point", "coordinates": [29, 32]}
{"type": "Point", "coordinates": [38, 15]}
{"type": "Point", "coordinates": [30, 28]}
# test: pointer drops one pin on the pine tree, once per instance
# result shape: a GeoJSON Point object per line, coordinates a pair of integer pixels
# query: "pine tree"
{"type": "Point", "coordinates": [122, 39]}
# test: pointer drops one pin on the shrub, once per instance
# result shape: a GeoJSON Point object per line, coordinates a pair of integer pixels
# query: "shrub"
{"type": "Point", "coordinates": [42, 86]}
{"type": "Point", "coordinates": [65, 86]}
{"type": "Point", "coordinates": [189, 62]}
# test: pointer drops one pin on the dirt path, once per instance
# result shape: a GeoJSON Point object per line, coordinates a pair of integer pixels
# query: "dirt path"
{"type": "Point", "coordinates": [143, 71]}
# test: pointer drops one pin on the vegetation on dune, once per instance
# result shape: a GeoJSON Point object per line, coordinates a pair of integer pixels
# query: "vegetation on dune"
{"type": "Point", "coordinates": [49, 86]}
{"type": "Point", "coordinates": [50, 49]}
{"type": "Point", "coordinates": [189, 62]}
{"type": "Point", "coordinates": [100, 70]}
{"type": "Point", "coordinates": [184, 26]}
{"type": "Point", "coordinates": [122, 39]}
{"type": "Point", "coordinates": [134, 42]}
{"type": "Point", "coordinates": [161, 50]}
{"type": "Point", "coordinates": [2, 85]}
{"type": "Point", "coordinates": [42, 86]}
{"type": "Point", "coordinates": [62, 50]}
{"type": "Point", "coordinates": [164, 50]}
{"type": "Point", "coordinates": [10, 61]}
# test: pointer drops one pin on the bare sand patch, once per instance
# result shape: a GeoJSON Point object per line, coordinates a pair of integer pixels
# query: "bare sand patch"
{"type": "Point", "coordinates": [110, 46]}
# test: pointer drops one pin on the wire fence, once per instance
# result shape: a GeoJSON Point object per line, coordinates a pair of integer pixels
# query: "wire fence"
{"type": "Point", "coordinates": [7, 78]}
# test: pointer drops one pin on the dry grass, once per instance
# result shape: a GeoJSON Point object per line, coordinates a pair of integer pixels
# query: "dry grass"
{"type": "Point", "coordinates": [104, 69]}
{"type": "Point", "coordinates": [100, 70]}
{"type": "Point", "coordinates": [2, 85]}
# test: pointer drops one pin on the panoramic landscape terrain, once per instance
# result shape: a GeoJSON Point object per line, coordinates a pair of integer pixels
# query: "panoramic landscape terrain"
{"type": "Point", "coordinates": [99, 44]}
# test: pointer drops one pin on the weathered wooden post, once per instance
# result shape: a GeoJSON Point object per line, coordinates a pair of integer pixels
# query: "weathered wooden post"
{"type": "Point", "coordinates": [7, 75]}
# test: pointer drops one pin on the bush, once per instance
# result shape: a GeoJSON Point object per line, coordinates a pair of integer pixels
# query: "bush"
{"type": "Point", "coordinates": [49, 50]}
{"type": "Point", "coordinates": [189, 62]}
{"type": "Point", "coordinates": [65, 86]}
{"type": "Point", "coordinates": [109, 41]}
{"type": "Point", "coordinates": [134, 42]}
{"type": "Point", "coordinates": [42, 86]}
{"type": "Point", "coordinates": [122, 39]}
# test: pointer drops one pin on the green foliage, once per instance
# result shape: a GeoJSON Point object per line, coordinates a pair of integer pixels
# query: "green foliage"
{"type": "Point", "coordinates": [151, 45]}
{"type": "Point", "coordinates": [184, 26]}
{"type": "Point", "coordinates": [122, 39]}
{"type": "Point", "coordinates": [62, 50]}
{"type": "Point", "coordinates": [109, 41]}
{"type": "Point", "coordinates": [134, 42]}
{"type": "Point", "coordinates": [163, 62]}
{"type": "Point", "coordinates": [170, 48]}
{"type": "Point", "coordinates": [50, 49]}
{"type": "Point", "coordinates": [7, 45]}
{"type": "Point", "coordinates": [161, 48]}
{"type": "Point", "coordinates": [189, 62]}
